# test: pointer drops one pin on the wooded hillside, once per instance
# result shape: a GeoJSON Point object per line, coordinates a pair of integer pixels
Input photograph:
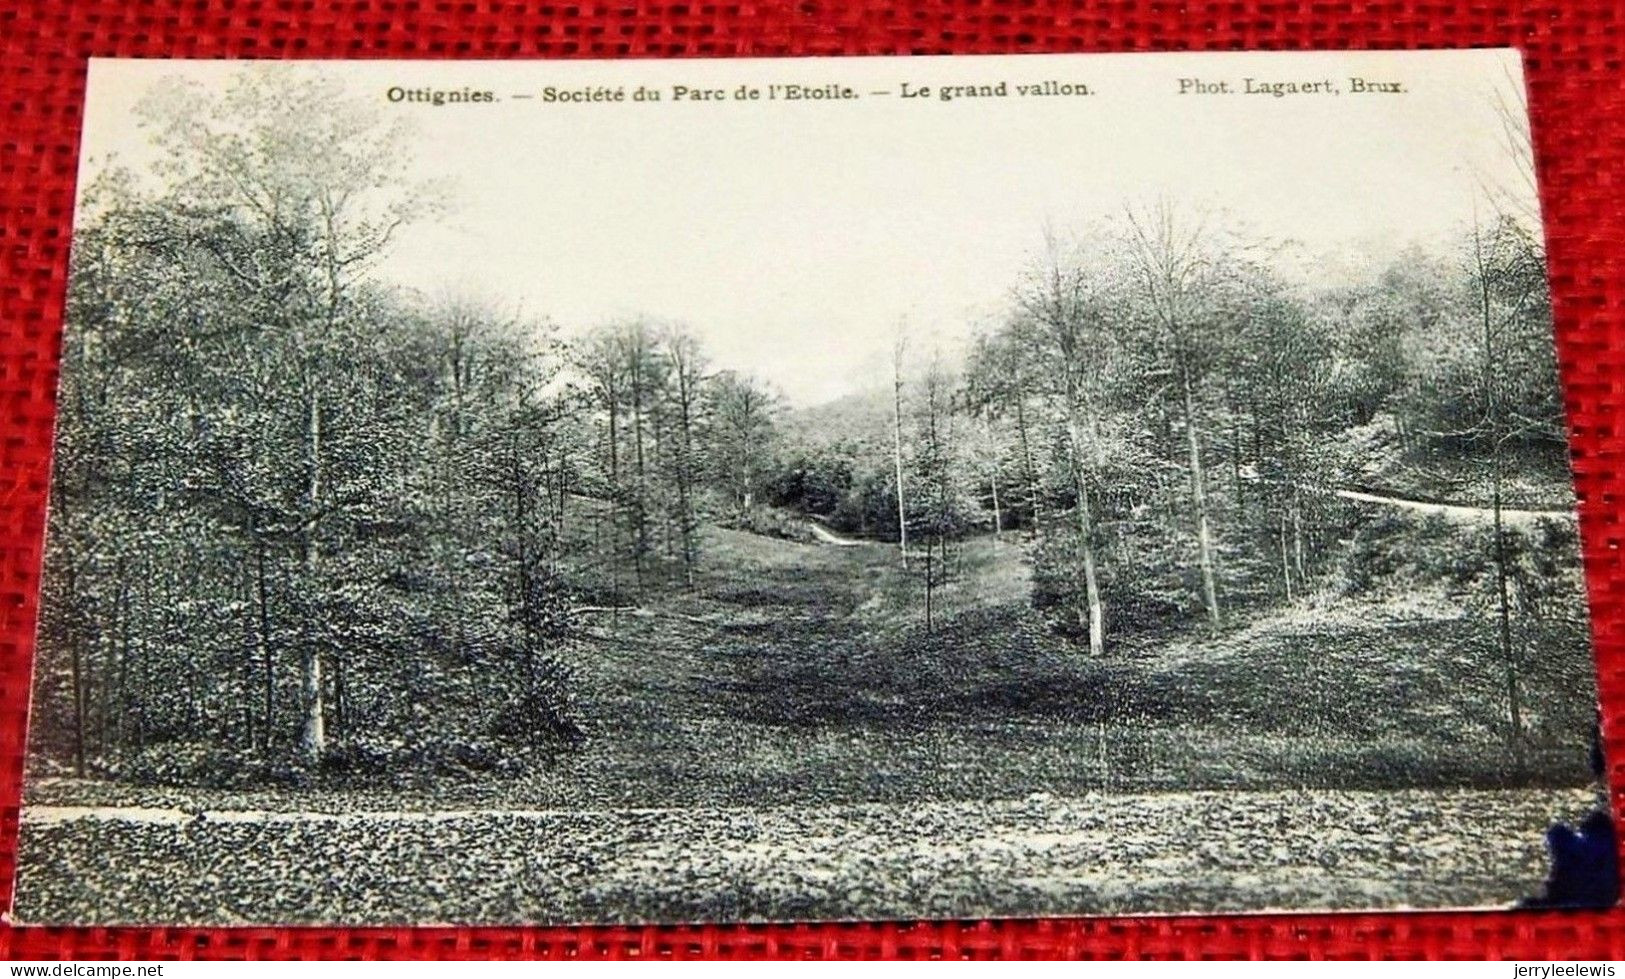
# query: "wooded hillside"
{"type": "Point", "coordinates": [308, 524]}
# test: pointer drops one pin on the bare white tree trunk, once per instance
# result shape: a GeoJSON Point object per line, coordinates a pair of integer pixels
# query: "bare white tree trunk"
{"type": "Point", "coordinates": [1204, 537]}
{"type": "Point", "coordinates": [897, 447]}
{"type": "Point", "coordinates": [313, 738]}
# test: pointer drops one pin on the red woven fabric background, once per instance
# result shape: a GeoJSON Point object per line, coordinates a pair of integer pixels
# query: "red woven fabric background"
{"type": "Point", "coordinates": [1574, 55]}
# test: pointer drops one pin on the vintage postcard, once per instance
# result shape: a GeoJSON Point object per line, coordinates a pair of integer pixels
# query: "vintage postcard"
{"type": "Point", "coordinates": [809, 489]}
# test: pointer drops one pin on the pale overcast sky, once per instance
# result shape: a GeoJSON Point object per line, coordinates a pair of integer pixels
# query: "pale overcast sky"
{"type": "Point", "coordinates": [793, 236]}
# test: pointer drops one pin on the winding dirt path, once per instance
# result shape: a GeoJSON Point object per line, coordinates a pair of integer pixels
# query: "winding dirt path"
{"type": "Point", "coordinates": [1450, 511]}
{"type": "Point", "coordinates": [827, 536]}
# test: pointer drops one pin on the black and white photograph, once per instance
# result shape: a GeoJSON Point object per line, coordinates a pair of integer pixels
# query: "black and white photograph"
{"type": "Point", "coordinates": [809, 489]}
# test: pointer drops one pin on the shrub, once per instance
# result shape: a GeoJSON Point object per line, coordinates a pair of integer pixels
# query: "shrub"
{"type": "Point", "coordinates": [766, 521]}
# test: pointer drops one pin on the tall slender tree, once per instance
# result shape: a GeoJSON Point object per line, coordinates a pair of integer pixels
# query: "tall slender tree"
{"type": "Point", "coordinates": [1171, 254]}
{"type": "Point", "coordinates": [1065, 304]}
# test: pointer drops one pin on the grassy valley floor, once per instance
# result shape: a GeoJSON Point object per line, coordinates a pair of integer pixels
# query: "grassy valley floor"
{"type": "Point", "coordinates": [788, 740]}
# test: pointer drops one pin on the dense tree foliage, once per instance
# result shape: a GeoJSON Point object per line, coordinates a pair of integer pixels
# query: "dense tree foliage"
{"type": "Point", "coordinates": [1177, 429]}
{"type": "Point", "coordinates": [304, 521]}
